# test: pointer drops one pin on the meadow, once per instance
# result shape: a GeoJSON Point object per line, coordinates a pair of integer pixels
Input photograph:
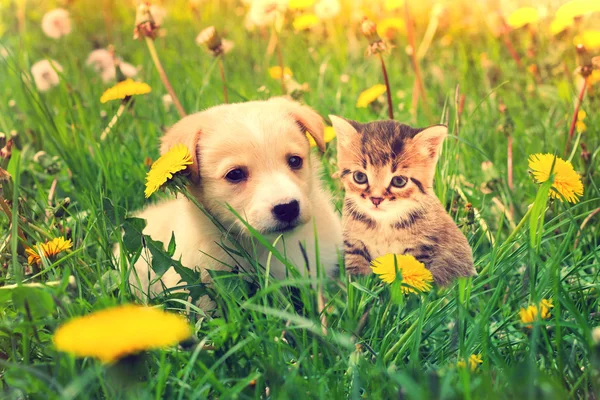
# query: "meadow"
{"type": "Point", "coordinates": [508, 85]}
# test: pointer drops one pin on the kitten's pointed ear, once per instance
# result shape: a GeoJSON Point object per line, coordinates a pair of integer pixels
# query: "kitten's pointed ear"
{"type": "Point", "coordinates": [430, 140]}
{"type": "Point", "coordinates": [343, 129]}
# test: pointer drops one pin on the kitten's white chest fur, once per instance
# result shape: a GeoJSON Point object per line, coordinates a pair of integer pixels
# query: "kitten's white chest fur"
{"type": "Point", "coordinates": [388, 240]}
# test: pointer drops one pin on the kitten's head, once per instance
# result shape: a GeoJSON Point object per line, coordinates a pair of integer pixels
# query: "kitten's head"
{"type": "Point", "coordinates": [387, 168]}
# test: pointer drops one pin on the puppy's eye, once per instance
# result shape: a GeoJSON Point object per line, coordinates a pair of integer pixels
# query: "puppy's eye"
{"type": "Point", "coordinates": [236, 175]}
{"type": "Point", "coordinates": [295, 162]}
{"type": "Point", "coordinates": [399, 181]}
{"type": "Point", "coordinates": [360, 177]}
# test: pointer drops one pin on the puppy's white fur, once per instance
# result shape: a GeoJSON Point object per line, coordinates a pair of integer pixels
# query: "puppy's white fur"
{"type": "Point", "coordinates": [258, 136]}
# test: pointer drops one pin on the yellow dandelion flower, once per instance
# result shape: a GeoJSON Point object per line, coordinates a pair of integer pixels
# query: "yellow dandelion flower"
{"type": "Point", "coordinates": [567, 182]}
{"type": "Point", "coordinates": [370, 95]}
{"type": "Point", "coordinates": [329, 135]}
{"type": "Point", "coordinates": [528, 315]}
{"type": "Point", "coordinates": [577, 8]}
{"type": "Point", "coordinates": [414, 274]}
{"type": "Point", "coordinates": [123, 89]}
{"type": "Point", "coordinates": [559, 24]}
{"type": "Point", "coordinates": [47, 250]}
{"type": "Point", "coordinates": [474, 361]}
{"type": "Point", "coordinates": [594, 77]}
{"type": "Point", "coordinates": [175, 160]}
{"type": "Point", "coordinates": [305, 21]}
{"type": "Point", "coordinates": [545, 306]}
{"type": "Point", "coordinates": [275, 72]}
{"type": "Point", "coordinates": [590, 39]}
{"type": "Point", "coordinates": [300, 4]}
{"type": "Point", "coordinates": [111, 334]}
{"type": "Point", "coordinates": [390, 5]}
{"type": "Point", "coordinates": [523, 16]}
{"type": "Point", "coordinates": [389, 27]}
{"type": "Point", "coordinates": [532, 312]}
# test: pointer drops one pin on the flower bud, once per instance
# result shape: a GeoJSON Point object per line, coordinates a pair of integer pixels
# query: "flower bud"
{"type": "Point", "coordinates": [376, 45]}
{"type": "Point", "coordinates": [585, 61]}
{"type": "Point", "coordinates": [4, 175]}
{"type": "Point", "coordinates": [145, 26]}
{"type": "Point", "coordinates": [369, 28]}
{"type": "Point", "coordinates": [211, 39]}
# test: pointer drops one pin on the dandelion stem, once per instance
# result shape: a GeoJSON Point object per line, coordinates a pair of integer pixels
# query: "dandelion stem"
{"type": "Point", "coordinates": [510, 47]}
{"type": "Point", "coordinates": [163, 76]}
{"type": "Point", "coordinates": [113, 121]}
{"type": "Point", "coordinates": [388, 89]}
{"type": "Point", "coordinates": [574, 120]}
{"type": "Point", "coordinates": [222, 70]}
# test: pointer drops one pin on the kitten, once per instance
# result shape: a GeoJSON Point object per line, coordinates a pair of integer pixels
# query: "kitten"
{"type": "Point", "coordinates": [387, 169]}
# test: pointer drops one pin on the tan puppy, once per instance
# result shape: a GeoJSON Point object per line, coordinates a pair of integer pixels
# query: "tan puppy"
{"type": "Point", "coordinates": [255, 157]}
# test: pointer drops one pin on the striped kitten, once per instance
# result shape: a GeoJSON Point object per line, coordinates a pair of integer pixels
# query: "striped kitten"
{"type": "Point", "coordinates": [387, 169]}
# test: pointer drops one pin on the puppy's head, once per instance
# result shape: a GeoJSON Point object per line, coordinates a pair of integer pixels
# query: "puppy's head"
{"type": "Point", "coordinates": [255, 157]}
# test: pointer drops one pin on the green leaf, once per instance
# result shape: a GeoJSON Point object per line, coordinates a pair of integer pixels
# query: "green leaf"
{"type": "Point", "coordinates": [161, 261]}
{"type": "Point", "coordinates": [133, 228]}
{"type": "Point", "coordinates": [171, 249]}
{"type": "Point", "coordinates": [38, 300]}
{"type": "Point", "coordinates": [364, 289]}
{"type": "Point", "coordinates": [188, 275]}
{"type": "Point", "coordinates": [13, 164]}
{"type": "Point", "coordinates": [109, 282]}
{"type": "Point", "coordinates": [115, 214]}
{"type": "Point", "coordinates": [536, 219]}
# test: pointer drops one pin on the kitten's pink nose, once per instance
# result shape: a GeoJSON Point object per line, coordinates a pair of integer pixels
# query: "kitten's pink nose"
{"type": "Point", "coordinates": [376, 200]}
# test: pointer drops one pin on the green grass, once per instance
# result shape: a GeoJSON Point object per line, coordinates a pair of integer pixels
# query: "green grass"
{"type": "Point", "coordinates": [267, 333]}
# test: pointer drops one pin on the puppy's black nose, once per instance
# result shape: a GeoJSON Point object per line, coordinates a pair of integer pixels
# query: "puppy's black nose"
{"type": "Point", "coordinates": [287, 212]}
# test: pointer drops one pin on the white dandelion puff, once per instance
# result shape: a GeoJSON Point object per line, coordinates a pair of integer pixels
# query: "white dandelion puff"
{"type": "Point", "coordinates": [56, 23]}
{"type": "Point", "coordinates": [45, 74]}
{"type": "Point", "coordinates": [327, 9]}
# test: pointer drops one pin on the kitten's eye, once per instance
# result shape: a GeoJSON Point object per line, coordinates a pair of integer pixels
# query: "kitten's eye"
{"type": "Point", "coordinates": [295, 162]}
{"type": "Point", "coordinates": [360, 177]}
{"type": "Point", "coordinates": [236, 175]}
{"type": "Point", "coordinates": [399, 181]}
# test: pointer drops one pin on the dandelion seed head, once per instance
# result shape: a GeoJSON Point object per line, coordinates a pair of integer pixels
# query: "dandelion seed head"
{"type": "Point", "coordinates": [45, 74]}
{"type": "Point", "coordinates": [56, 23]}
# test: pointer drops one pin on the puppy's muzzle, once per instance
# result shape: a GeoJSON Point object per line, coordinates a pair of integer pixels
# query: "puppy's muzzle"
{"type": "Point", "coordinates": [286, 212]}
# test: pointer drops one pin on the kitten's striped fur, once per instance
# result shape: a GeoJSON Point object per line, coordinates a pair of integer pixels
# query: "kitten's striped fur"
{"type": "Point", "coordinates": [398, 215]}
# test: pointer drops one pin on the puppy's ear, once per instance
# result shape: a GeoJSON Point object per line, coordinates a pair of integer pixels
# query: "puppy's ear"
{"type": "Point", "coordinates": [307, 119]}
{"type": "Point", "coordinates": [178, 134]}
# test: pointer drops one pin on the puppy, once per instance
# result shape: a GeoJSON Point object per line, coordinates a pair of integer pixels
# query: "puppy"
{"type": "Point", "coordinates": [254, 156]}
